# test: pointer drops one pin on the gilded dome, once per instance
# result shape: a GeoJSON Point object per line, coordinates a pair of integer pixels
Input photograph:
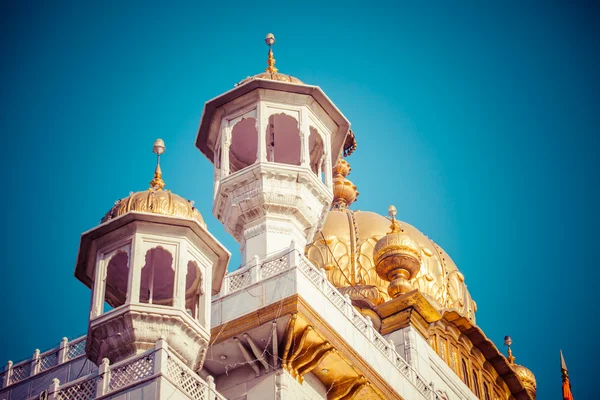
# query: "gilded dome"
{"type": "Point", "coordinates": [155, 201]}
{"type": "Point", "coordinates": [527, 379]}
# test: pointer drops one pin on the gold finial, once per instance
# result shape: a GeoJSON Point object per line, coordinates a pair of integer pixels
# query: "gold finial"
{"type": "Point", "coordinates": [157, 183]}
{"type": "Point", "coordinates": [270, 40]}
{"type": "Point", "coordinates": [508, 343]}
{"type": "Point", "coordinates": [395, 227]}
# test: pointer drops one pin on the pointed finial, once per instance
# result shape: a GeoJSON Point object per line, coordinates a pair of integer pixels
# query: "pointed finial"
{"type": "Point", "coordinates": [508, 343]}
{"type": "Point", "coordinates": [157, 183]}
{"type": "Point", "coordinates": [395, 227]}
{"type": "Point", "coordinates": [563, 364]}
{"type": "Point", "coordinates": [270, 40]}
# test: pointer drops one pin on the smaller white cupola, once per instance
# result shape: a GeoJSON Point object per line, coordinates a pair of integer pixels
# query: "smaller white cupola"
{"type": "Point", "coordinates": [152, 266]}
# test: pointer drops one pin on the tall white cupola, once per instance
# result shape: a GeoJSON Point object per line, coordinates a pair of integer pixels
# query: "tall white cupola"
{"type": "Point", "coordinates": [152, 266]}
{"type": "Point", "coordinates": [273, 141]}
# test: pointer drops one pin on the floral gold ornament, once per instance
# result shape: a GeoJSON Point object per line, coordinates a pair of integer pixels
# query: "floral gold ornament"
{"type": "Point", "coordinates": [344, 191]}
{"type": "Point", "coordinates": [397, 258]}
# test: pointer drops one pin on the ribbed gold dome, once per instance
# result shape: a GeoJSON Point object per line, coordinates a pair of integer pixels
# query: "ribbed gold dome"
{"type": "Point", "coordinates": [273, 76]}
{"type": "Point", "coordinates": [345, 249]}
{"type": "Point", "coordinates": [155, 201]}
{"type": "Point", "coordinates": [527, 378]}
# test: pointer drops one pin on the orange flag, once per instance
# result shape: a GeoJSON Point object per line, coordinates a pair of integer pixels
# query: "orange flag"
{"type": "Point", "coordinates": [566, 385]}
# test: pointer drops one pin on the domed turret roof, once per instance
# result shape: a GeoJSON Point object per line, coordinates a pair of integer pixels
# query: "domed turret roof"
{"type": "Point", "coordinates": [345, 250]}
{"type": "Point", "coordinates": [156, 200]}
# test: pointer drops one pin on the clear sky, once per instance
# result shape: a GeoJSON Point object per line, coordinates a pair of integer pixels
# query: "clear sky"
{"type": "Point", "coordinates": [478, 121]}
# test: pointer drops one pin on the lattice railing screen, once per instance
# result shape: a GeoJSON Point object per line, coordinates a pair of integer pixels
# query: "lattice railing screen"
{"type": "Point", "coordinates": [191, 385]}
{"type": "Point", "coordinates": [85, 390]}
{"type": "Point", "coordinates": [130, 373]}
{"type": "Point", "coordinates": [76, 348]}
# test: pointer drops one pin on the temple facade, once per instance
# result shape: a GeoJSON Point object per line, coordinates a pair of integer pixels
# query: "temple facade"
{"type": "Point", "coordinates": [329, 303]}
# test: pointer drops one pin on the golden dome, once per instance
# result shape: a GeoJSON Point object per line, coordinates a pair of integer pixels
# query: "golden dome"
{"type": "Point", "coordinates": [527, 379]}
{"type": "Point", "coordinates": [345, 249]}
{"type": "Point", "coordinates": [155, 201]}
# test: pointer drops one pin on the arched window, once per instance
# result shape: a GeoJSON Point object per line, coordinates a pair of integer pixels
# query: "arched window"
{"type": "Point", "coordinates": [244, 143]}
{"type": "Point", "coordinates": [465, 372]}
{"type": "Point", "coordinates": [117, 279]}
{"type": "Point", "coordinates": [283, 140]}
{"type": "Point", "coordinates": [193, 291]}
{"type": "Point", "coordinates": [317, 152]}
{"type": "Point", "coordinates": [486, 392]}
{"type": "Point", "coordinates": [158, 278]}
{"type": "Point", "coordinates": [476, 385]}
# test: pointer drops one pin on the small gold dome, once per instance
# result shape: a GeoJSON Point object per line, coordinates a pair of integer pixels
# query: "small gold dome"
{"type": "Point", "coordinates": [397, 258]}
{"type": "Point", "coordinates": [527, 378]}
{"type": "Point", "coordinates": [155, 201]}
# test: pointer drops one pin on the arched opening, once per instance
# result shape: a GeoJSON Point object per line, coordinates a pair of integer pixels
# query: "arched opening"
{"type": "Point", "coordinates": [193, 291]}
{"type": "Point", "coordinates": [486, 392]}
{"type": "Point", "coordinates": [117, 279]}
{"type": "Point", "coordinates": [316, 149]}
{"type": "Point", "coordinates": [283, 140]}
{"type": "Point", "coordinates": [476, 385]}
{"type": "Point", "coordinates": [465, 373]}
{"type": "Point", "coordinates": [244, 143]}
{"type": "Point", "coordinates": [158, 278]}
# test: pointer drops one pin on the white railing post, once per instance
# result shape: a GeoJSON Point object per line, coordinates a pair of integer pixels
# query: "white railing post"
{"type": "Point", "coordinates": [63, 350]}
{"type": "Point", "coordinates": [35, 363]}
{"type": "Point", "coordinates": [53, 389]}
{"type": "Point", "coordinates": [348, 305]}
{"type": "Point", "coordinates": [210, 393]}
{"type": "Point", "coordinates": [160, 356]}
{"type": "Point", "coordinates": [225, 286]}
{"type": "Point", "coordinates": [103, 382]}
{"type": "Point", "coordinates": [255, 269]}
{"type": "Point", "coordinates": [392, 352]}
{"type": "Point", "coordinates": [370, 328]}
{"type": "Point", "coordinates": [323, 284]}
{"type": "Point", "coordinates": [294, 253]}
{"type": "Point", "coordinates": [7, 374]}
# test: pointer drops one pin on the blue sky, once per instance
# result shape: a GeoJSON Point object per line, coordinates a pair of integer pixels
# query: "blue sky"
{"type": "Point", "coordinates": [478, 121]}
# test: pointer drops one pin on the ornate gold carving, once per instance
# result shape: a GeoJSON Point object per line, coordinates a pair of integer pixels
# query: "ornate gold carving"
{"type": "Point", "coordinates": [157, 202]}
{"type": "Point", "coordinates": [270, 40]}
{"type": "Point", "coordinates": [344, 191]}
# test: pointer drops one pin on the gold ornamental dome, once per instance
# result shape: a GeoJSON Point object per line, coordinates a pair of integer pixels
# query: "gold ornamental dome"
{"type": "Point", "coordinates": [397, 258]}
{"type": "Point", "coordinates": [524, 374]}
{"type": "Point", "coordinates": [156, 200]}
{"type": "Point", "coordinates": [527, 378]}
{"type": "Point", "coordinates": [345, 249]}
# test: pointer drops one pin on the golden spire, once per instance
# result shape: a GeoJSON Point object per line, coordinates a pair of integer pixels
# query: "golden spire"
{"type": "Point", "coordinates": [508, 343]}
{"type": "Point", "coordinates": [395, 227]}
{"type": "Point", "coordinates": [157, 183]}
{"type": "Point", "coordinates": [270, 40]}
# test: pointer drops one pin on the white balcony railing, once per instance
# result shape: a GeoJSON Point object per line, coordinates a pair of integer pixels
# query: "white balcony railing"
{"type": "Point", "coordinates": [42, 362]}
{"type": "Point", "coordinates": [292, 258]}
{"type": "Point", "coordinates": [124, 375]}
